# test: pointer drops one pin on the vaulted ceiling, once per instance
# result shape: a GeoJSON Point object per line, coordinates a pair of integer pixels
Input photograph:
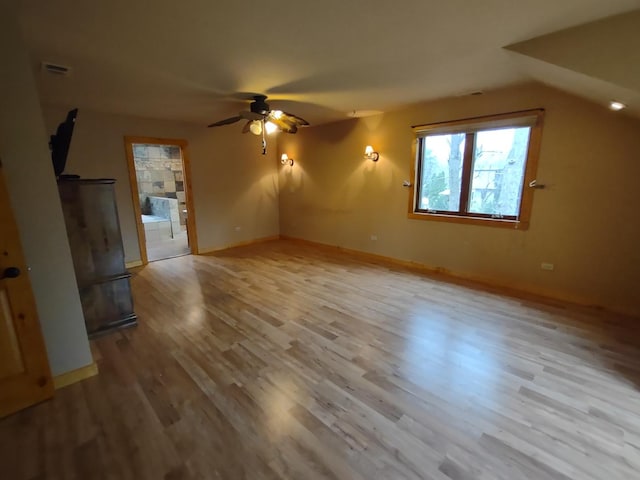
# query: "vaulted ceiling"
{"type": "Point", "coordinates": [599, 60]}
{"type": "Point", "coordinates": [196, 60]}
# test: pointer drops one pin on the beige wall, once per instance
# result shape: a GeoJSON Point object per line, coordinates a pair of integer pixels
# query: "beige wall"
{"type": "Point", "coordinates": [36, 205]}
{"type": "Point", "coordinates": [585, 222]}
{"type": "Point", "coordinates": [233, 184]}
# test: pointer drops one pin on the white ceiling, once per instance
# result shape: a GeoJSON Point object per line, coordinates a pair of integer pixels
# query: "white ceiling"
{"type": "Point", "coordinates": [194, 60]}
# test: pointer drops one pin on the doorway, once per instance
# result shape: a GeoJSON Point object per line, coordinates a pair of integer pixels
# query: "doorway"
{"type": "Point", "coordinates": [159, 172]}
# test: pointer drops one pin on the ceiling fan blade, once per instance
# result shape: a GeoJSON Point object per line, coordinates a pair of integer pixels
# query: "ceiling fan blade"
{"type": "Point", "coordinates": [248, 115]}
{"type": "Point", "coordinates": [245, 129]}
{"type": "Point", "coordinates": [226, 121]}
{"type": "Point", "coordinates": [290, 121]}
{"type": "Point", "coordinates": [300, 121]}
{"type": "Point", "coordinates": [283, 125]}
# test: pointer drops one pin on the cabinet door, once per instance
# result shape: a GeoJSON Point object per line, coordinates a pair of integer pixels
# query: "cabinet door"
{"type": "Point", "coordinates": [102, 228]}
{"type": "Point", "coordinates": [93, 229]}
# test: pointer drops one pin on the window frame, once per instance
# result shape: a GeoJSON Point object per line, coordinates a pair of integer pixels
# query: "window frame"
{"type": "Point", "coordinates": [469, 126]}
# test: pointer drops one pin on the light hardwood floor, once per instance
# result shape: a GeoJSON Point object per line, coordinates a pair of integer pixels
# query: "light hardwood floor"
{"type": "Point", "coordinates": [288, 361]}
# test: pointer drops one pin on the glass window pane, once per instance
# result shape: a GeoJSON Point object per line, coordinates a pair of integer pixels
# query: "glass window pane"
{"type": "Point", "coordinates": [499, 162]}
{"type": "Point", "coordinates": [441, 172]}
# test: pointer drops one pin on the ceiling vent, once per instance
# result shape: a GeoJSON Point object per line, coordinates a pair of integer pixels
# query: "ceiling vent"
{"type": "Point", "coordinates": [56, 69]}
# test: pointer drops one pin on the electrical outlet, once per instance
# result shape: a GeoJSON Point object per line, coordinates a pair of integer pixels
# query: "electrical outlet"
{"type": "Point", "coordinates": [374, 237]}
{"type": "Point", "coordinates": [547, 266]}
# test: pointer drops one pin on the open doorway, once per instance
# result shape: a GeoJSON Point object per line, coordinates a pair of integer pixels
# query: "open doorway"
{"type": "Point", "coordinates": [159, 172]}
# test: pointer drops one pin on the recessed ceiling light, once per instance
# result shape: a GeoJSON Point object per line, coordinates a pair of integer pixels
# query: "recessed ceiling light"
{"type": "Point", "coordinates": [616, 106]}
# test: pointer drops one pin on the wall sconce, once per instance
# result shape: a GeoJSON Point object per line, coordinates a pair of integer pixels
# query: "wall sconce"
{"type": "Point", "coordinates": [285, 160]}
{"type": "Point", "coordinates": [371, 154]}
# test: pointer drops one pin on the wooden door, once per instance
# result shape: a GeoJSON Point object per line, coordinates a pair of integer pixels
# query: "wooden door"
{"type": "Point", "coordinates": [25, 377]}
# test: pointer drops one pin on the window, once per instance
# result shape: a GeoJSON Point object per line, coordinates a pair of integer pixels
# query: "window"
{"type": "Point", "coordinates": [477, 170]}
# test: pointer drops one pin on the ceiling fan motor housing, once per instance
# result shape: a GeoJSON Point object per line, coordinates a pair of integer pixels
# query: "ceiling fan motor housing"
{"type": "Point", "coordinates": [259, 105]}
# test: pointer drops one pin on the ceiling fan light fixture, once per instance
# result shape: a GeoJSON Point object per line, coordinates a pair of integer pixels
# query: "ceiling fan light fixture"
{"type": "Point", "coordinates": [256, 127]}
{"type": "Point", "coordinates": [277, 114]}
{"type": "Point", "coordinates": [270, 127]}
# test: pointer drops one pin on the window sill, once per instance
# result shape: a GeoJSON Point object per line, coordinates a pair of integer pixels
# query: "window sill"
{"type": "Point", "coordinates": [487, 222]}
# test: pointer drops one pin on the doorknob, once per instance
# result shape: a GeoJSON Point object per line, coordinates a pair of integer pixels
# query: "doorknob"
{"type": "Point", "coordinates": [11, 272]}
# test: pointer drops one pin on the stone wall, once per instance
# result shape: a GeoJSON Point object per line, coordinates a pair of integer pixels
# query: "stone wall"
{"type": "Point", "coordinates": [159, 174]}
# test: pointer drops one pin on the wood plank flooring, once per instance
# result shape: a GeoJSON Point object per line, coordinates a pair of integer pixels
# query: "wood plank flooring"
{"type": "Point", "coordinates": [287, 361]}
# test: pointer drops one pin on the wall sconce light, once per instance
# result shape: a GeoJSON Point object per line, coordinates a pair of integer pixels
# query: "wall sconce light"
{"type": "Point", "coordinates": [285, 160]}
{"type": "Point", "coordinates": [371, 154]}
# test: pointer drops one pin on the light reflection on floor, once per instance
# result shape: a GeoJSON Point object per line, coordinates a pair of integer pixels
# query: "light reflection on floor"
{"type": "Point", "coordinates": [168, 248]}
{"type": "Point", "coordinates": [441, 357]}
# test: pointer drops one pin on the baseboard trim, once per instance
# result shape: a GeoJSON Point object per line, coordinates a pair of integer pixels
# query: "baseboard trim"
{"type": "Point", "coordinates": [491, 285]}
{"type": "Point", "coordinates": [240, 244]}
{"type": "Point", "coordinates": [134, 264]}
{"type": "Point", "coordinates": [75, 376]}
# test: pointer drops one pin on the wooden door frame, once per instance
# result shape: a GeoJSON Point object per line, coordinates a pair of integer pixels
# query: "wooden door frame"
{"type": "Point", "coordinates": [129, 141]}
{"type": "Point", "coordinates": [34, 384]}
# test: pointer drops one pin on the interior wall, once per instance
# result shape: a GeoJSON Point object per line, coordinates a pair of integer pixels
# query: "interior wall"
{"type": "Point", "coordinates": [36, 205]}
{"type": "Point", "coordinates": [235, 187]}
{"type": "Point", "coordinates": [585, 221]}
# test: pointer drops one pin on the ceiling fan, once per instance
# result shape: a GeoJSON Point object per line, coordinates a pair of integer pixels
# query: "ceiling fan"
{"type": "Point", "coordinates": [260, 117]}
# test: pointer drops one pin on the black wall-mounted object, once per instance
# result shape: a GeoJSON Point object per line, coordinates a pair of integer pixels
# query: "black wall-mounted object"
{"type": "Point", "coordinates": [60, 142]}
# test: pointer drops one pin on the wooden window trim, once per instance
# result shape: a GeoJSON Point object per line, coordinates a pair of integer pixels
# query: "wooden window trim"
{"type": "Point", "coordinates": [465, 187]}
{"type": "Point", "coordinates": [526, 202]}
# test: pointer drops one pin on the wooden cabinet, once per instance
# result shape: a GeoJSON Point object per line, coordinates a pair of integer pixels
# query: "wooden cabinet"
{"type": "Point", "coordinates": [91, 218]}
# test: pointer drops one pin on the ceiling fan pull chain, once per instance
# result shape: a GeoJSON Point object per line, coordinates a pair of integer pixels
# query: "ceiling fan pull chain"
{"type": "Point", "coordinates": [264, 140]}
